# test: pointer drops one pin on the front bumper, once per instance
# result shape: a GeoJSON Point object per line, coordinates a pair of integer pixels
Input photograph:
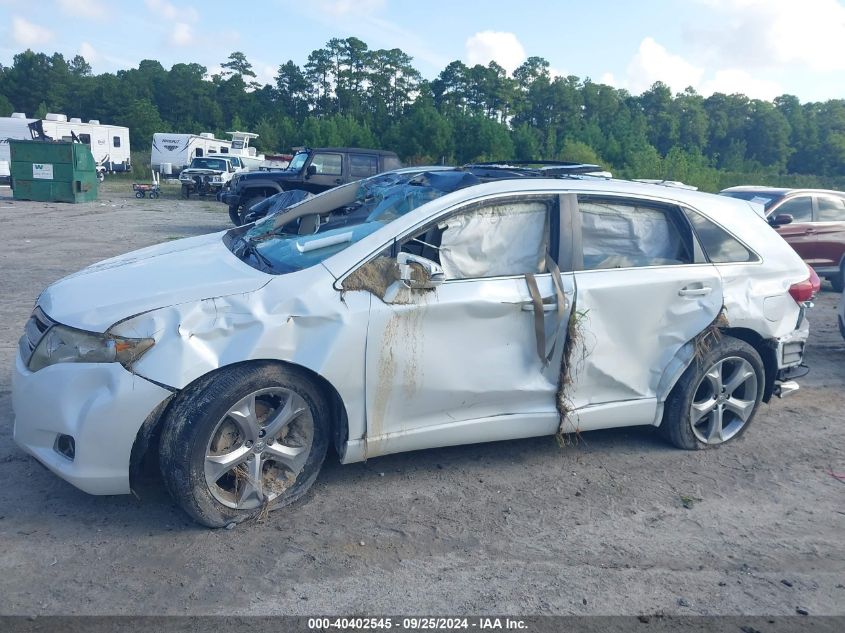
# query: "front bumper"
{"type": "Point", "coordinates": [100, 405]}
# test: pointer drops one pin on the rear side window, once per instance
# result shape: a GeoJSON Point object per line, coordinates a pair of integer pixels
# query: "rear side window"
{"type": "Point", "coordinates": [800, 208]}
{"type": "Point", "coordinates": [831, 209]}
{"type": "Point", "coordinates": [719, 245]}
{"type": "Point", "coordinates": [631, 234]}
{"type": "Point", "coordinates": [362, 165]}
{"type": "Point", "coordinates": [328, 164]}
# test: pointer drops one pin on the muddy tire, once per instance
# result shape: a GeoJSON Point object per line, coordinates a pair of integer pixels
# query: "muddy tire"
{"type": "Point", "coordinates": [185, 192]}
{"type": "Point", "coordinates": [716, 398]}
{"type": "Point", "coordinates": [248, 439]}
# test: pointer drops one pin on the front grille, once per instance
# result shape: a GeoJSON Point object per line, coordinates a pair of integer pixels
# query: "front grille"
{"type": "Point", "coordinates": [33, 332]}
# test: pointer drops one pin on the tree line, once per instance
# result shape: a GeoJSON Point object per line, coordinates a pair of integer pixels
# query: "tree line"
{"type": "Point", "coordinates": [349, 94]}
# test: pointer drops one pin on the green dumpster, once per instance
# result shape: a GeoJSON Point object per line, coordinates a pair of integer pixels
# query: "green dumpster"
{"type": "Point", "coordinates": [53, 171]}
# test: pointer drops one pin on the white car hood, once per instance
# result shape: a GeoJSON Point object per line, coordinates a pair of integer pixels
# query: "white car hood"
{"type": "Point", "coordinates": [176, 272]}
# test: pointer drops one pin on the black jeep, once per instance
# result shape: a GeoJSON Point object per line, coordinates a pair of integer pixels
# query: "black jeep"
{"type": "Point", "coordinates": [313, 170]}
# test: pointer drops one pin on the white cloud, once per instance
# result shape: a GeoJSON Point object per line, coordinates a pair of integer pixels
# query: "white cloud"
{"type": "Point", "coordinates": [339, 8]}
{"type": "Point", "coordinates": [770, 33]}
{"type": "Point", "coordinates": [93, 9]}
{"type": "Point", "coordinates": [610, 80]}
{"type": "Point", "coordinates": [26, 33]}
{"type": "Point", "coordinates": [181, 35]}
{"type": "Point", "coordinates": [164, 9]}
{"type": "Point", "coordinates": [502, 47]}
{"type": "Point", "coordinates": [654, 63]}
{"type": "Point", "coordinates": [734, 80]}
{"type": "Point", "coordinates": [88, 52]}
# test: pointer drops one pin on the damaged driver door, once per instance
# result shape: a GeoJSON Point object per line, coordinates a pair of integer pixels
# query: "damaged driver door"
{"type": "Point", "coordinates": [460, 349]}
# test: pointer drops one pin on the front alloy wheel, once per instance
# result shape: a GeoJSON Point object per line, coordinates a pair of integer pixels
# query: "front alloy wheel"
{"type": "Point", "coordinates": [258, 448]}
{"type": "Point", "coordinates": [243, 440]}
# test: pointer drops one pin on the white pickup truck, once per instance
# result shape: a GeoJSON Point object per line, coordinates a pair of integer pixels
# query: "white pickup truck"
{"type": "Point", "coordinates": [209, 174]}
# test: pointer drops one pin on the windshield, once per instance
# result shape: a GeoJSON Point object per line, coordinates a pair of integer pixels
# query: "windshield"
{"type": "Point", "coordinates": [209, 163]}
{"type": "Point", "coordinates": [376, 202]}
{"type": "Point", "coordinates": [298, 161]}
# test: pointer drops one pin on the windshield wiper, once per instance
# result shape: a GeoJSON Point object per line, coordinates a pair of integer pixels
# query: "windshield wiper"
{"type": "Point", "coordinates": [247, 248]}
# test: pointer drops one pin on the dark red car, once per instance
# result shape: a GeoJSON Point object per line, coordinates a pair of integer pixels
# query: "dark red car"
{"type": "Point", "coordinates": [817, 227]}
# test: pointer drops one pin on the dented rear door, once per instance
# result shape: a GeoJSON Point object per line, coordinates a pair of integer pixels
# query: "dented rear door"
{"type": "Point", "coordinates": [643, 291]}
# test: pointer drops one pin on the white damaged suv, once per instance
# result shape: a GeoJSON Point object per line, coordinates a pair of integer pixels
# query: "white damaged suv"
{"type": "Point", "coordinates": [405, 312]}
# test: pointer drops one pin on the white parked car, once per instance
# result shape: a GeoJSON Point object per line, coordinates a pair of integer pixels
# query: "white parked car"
{"type": "Point", "coordinates": [444, 308]}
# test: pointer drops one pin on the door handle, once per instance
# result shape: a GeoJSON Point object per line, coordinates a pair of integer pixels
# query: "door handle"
{"type": "Point", "coordinates": [337, 181]}
{"type": "Point", "coordinates": [809, 231]}
{"type": "Point", "coordinates": [695, 292]}
{"type": "Point", "coordinates": [528, 306]}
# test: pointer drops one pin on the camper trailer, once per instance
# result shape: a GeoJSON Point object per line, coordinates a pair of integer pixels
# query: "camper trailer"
{"type": "Point", "coordinates": [109, 143]}
{"type": "Point", "coordinates": [171, 153]}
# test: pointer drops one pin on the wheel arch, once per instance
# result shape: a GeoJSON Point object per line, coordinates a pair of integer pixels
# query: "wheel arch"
{"type": "Point", "coordinates": [686, 356]}
{"type": "Point", "coordinates": [148, 435]}
{"type": "Point", "coordinates": [265, 188]}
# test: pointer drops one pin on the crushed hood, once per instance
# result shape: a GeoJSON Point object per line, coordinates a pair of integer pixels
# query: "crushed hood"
{"type": "Point", "coordinates": [176, 272]}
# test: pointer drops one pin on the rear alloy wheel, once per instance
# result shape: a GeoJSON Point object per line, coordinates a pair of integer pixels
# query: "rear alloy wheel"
{"type": "Point", "coordinates": [724, 400]}
{"type": "Point", "coordinates": [248, 439]}
{"type": "Point", "coordinates": [716, 398]}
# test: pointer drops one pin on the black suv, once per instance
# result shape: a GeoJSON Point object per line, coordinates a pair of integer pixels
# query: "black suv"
{"type": "Point", "coordinates": [313, 170]}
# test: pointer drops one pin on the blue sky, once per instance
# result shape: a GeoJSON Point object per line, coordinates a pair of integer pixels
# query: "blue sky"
{"type": "Point", "coordinates": [759, 47]}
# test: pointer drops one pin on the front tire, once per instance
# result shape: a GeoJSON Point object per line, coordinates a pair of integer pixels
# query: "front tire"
{"type": "Point", "coordinates": [716, 398]}
{"type": "Point", "coordinates": [234, 215]}
{"type": "Point", "coordinates": [249, 438]}
{"type": "Point", "coordinates": [247, 206]}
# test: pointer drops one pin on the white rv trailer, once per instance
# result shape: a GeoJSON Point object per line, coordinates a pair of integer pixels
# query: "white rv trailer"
{"type": "Point", "coordinates": [109, 143]}
{"type": "Point", "coordinates": [171, 153]}
{"type": "Point", "coordinates": [178, 150]}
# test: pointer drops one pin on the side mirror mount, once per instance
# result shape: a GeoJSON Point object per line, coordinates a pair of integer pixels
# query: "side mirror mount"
{"type": "Point", "coordinates": [419, 273]}
{"type": "Point", "coordinates": [311, 171]}
{"type": "Point", "coordinates": [780, 219]}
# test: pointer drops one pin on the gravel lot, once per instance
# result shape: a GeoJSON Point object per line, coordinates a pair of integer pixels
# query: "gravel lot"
{"type": "Point", "coordinates": [522, 527]}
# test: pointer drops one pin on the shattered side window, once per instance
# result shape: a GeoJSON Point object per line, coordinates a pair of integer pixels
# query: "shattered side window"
{"type": "Point", "coordinates": [631, 234]}
{"type": "Point", "coordinates": [719, 245]}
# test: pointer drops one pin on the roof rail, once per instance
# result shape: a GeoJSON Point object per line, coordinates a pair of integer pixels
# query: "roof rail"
{"type": "Point", "coordinates": [539, 167]}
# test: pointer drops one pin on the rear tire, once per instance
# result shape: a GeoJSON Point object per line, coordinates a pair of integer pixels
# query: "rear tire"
{"type": "Point", "coordinates": [248, 439]}
{"type": "Point", "coordinates": [716, 398]}
{"type": "Point", "coordinates": [838, 280]}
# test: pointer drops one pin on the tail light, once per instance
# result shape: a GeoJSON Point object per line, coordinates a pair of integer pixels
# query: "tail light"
{"type": "Point", "coordinates": [805, 290]}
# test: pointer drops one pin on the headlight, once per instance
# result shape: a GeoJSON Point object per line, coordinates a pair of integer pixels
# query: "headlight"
{"type": "Point", "coordinates": [62, 344]}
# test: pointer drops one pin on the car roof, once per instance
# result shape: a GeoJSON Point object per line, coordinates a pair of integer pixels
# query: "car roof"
{"type": "Point", "coordinates": [778, 191]}
{"type": "Point", "coordinates": [359, 150]}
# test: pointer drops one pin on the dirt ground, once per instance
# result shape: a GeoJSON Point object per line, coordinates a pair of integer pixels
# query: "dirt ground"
{"type": "Point", "coordinates": [520, 527]}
